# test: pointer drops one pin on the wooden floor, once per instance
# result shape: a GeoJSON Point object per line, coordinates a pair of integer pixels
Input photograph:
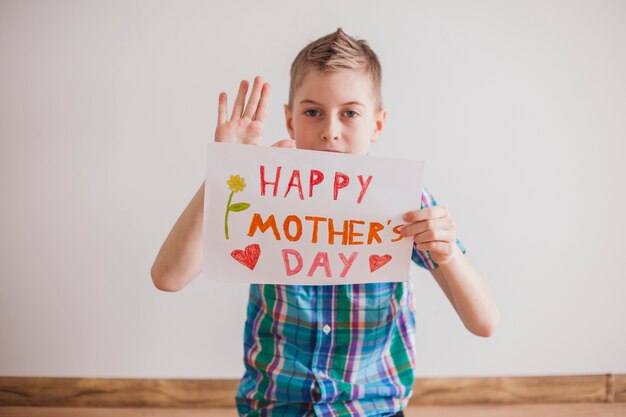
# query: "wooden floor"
{"type": "Point", "coordinates": [518, 410]}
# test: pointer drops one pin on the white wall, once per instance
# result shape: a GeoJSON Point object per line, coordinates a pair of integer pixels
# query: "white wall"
{"type": "Point", "coordinates": [519, 109]}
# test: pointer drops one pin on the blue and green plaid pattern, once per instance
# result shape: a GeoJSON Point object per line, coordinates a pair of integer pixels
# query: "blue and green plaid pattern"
{"type": "Point", "coordinates": [342, 350]}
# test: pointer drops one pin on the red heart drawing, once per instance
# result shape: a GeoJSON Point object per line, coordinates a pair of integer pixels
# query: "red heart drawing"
{"type": "Point", "coordinates": [378, 261]}
{"type": "Point", "coordinates": [247, 257]}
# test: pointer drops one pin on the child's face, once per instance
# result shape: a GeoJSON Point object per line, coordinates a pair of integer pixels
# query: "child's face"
{"type": "Point", "coordinates": [335, 112]}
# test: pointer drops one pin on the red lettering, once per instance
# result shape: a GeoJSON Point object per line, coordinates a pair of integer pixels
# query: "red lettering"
{"type": "Point", "coordinates": [315, 178]}
{"type": "Point", "coordinates": [341, 181]}
{"type": "Point", "coordinates": [288, 269]}
{"type": "Point", "coordinates": [321, 260]}
{"type": "Point", "coordinates": [264, 182]}
{"type": "Point", "coordinates": [347, 263]}
{"type": "Point", "coordinates": [363, 187]}
{"type": "Point", "coordinates": [295, 175]}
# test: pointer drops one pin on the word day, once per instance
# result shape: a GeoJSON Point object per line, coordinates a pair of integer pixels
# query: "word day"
{"type": "Point", "coordinates": [294, 263]}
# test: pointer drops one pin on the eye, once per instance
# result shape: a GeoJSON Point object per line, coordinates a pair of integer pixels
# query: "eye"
{"type": "Point", "coordinates": [312, 113]}
{"type": "Point", "coordinates": [350, 114]}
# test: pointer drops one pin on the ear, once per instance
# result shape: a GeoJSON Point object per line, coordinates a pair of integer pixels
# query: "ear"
{"type": "Point", "coordinates": [379, 121]}
{"type": "Point", "coordinates": [289, 121]}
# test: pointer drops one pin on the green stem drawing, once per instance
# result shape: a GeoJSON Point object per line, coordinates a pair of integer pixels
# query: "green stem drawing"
{"type": "Point", "coordinates": [236, 184]}
{"type": "Point", "coordinates": [227, 211]}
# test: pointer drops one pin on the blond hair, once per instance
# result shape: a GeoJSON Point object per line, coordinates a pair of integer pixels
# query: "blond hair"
{"type": "Point", "coordinates": [333, 52]}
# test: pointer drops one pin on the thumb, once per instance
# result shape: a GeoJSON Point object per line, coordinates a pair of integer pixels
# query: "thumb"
{"type": "Point", "coordinates": [285, 143]}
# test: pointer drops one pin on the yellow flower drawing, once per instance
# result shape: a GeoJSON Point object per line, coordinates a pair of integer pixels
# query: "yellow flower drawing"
{"type": "Point", "coordinates": [236, 183]}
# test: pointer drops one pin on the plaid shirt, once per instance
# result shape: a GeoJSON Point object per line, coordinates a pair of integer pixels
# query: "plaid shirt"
{"type": "Point", "coordinates": [330, 350]}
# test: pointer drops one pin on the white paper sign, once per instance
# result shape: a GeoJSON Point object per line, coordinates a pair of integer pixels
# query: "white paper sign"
{"type": "Point", "coordinates": [291, 216]}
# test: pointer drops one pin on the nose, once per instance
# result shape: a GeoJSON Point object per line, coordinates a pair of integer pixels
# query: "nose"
{"type": "Point", "coordinates": [331, 129]}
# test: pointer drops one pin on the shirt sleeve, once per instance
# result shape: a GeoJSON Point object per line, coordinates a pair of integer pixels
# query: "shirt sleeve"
{"type": "Point", "coordinates": [422, 258]}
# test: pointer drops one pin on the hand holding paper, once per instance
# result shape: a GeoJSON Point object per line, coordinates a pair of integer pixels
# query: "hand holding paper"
{"type": "Point", "coordinates": [246, 120]}
{"type": "Point", "coordinates": [434, 230]}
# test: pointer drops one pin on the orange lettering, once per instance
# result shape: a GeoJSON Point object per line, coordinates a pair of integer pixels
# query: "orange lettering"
{"type": "Point", "coordinates": [315, 221]}
{"type": "Point", "coordinates": [286, 224]}
{"type": "Point", "coordinates": [354, 234]}
{"type": "Point", "coordinates": [258, 223]}
{"type": "Point", "coordinates": [332, 232]}
{"type": "Point", "coordinates": [375, 227]}
{"type": "Point", "coordinates": [396, 230]}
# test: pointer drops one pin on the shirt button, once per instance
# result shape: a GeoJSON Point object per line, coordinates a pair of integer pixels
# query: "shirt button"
{"type": "Point", "coordinates": [326, 329]}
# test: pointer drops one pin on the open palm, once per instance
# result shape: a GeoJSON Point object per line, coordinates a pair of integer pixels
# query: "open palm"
{"type": "Point", "coordinates": [246, 120]}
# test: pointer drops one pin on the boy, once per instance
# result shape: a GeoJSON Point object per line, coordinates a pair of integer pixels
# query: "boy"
{"type": "Point", "coordinates": [345, 350]}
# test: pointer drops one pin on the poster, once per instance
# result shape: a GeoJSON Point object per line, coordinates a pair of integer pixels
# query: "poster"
{"type": "Point", "coordinates": [291, 216]}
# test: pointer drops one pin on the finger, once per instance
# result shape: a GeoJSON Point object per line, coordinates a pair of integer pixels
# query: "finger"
{"type": "Point", "coordinates": [253, 100]}
{"type": "Point", "coordinates": [445, 236]}
{"type": "Point", "coordinates": [437, 247]}
{"type": "Point", "coordinates": [240, 100]}
{"type": "Point", "coordinates": [222, 110]}
{"type": "Point", "coordinates": [264, 103]}
{"type": "Point", "coordinates": [444, 223]}
{"type": "Point", "coordinates": [434, 212]}
{"type": "Point", "coordinates": [285, 143]}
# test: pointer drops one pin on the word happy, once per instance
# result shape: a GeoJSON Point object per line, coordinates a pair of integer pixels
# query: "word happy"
{"type": "Point", "coordinates": [315, 178]}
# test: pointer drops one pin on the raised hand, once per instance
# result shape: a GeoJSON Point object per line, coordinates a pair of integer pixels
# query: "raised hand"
{"type": "Point", "coordinates": [246, 120]}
